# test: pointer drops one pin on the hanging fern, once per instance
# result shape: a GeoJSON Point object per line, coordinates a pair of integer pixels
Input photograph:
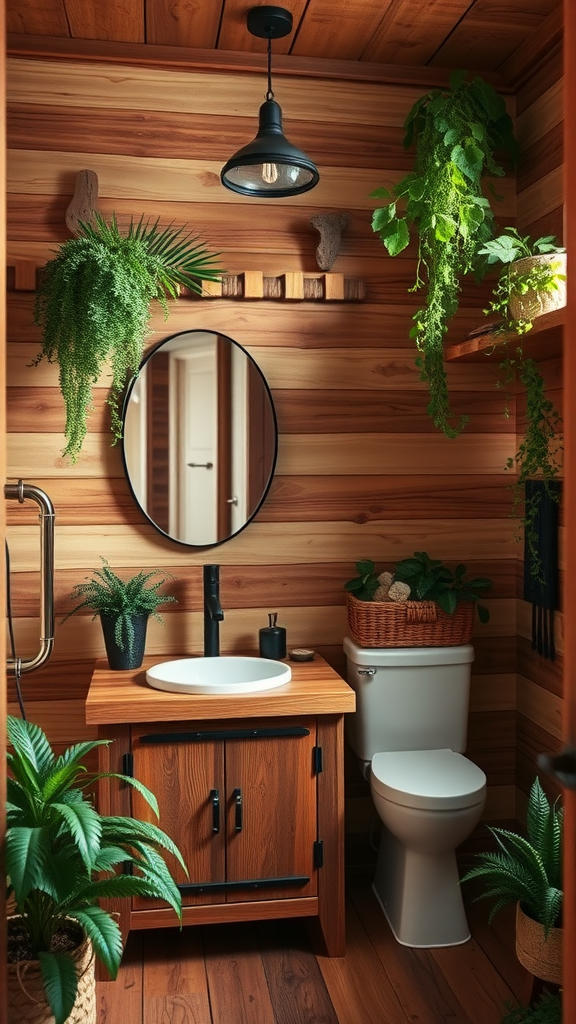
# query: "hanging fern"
{"type": "Point", "coordinates": [455, 131]}
{"type": "Point", "coordinates": [93, 305]}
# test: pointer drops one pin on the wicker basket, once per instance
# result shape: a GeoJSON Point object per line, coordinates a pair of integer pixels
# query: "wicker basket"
{"type": "Point", "coordinates": [541, 956]}
{"type": "Point", "coordinates": [533, 304]}
{"type": "Point", "coordinates": [408, 623]}
{"type": "Point", "coordinates": [26, 998]}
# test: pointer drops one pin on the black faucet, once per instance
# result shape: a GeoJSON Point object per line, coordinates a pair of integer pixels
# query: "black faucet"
{"type": "Point", "coordinates": [213, 613]}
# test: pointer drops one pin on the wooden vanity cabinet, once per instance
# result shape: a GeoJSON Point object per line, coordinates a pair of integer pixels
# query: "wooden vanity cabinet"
{"type": "Point", "coordinates": [240, 802]}
{"type": "Point", "coordinates": [251, 790]}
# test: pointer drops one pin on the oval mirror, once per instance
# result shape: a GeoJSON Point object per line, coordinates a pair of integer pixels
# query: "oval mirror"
{"type": "Point", "coordinates": [199, 438]}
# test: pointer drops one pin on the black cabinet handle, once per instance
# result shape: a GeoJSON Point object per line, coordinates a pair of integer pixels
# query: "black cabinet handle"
{"type": "Point", "coordinates": [237, 794]}
{"type": "Point", "coordinates": [215, 799]}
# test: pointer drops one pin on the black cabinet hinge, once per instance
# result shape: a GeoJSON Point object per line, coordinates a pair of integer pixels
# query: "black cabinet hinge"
{"type": "Point", "coordinates": [319, 853]}
{"type": "Point", "coordinates": [317, 760]}
{"type": "Point", "coordinates": [128, 765]}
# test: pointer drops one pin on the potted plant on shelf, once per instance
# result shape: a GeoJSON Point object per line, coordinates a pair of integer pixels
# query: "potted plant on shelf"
{"type": "Point", "coordinates": [456, 132]}
{"type": "Point", "coordinates": [527, 871]}
{"type": "Point", "coordinates": [124, 607]}
{"type": "Point", "coordinates": [532, 279]}
{"type": "Point", "coordinates": [93, 305]}
{"type": "Point", "coordinates": [421, 603]}
{"type": "Point", "coordinates": [61, 857]}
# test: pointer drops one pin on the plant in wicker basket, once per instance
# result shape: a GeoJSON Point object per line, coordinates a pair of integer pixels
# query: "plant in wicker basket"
{"type": "Point", "coordinates": [61, 857]}
{"type": "Point", "coordinates": [430, 580]}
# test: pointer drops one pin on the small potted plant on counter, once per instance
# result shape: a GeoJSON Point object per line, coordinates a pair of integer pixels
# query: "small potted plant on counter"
{"type": "Point", "coordinates": [124, 607]}
{"type": "Point", "coordinates": [421, 603]}
{"type": "Point", "coordinates": [61, 857]}
{"type": "Point", "coordinates": [527, 871]}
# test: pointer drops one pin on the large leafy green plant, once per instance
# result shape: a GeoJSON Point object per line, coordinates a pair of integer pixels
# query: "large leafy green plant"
{"type": "Point", "coordinates": [528, 868]}
{"type": "Point", "coordinates": [61, 857]}
{"type": "Point", "coordinates": [93, 305]}
{"type": "Point", "coordinates": [107, 594]}
{"type": "Point", "coordinates": [456, 132]}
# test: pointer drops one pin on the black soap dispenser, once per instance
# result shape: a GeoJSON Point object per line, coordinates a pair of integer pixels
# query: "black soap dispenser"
{"type": "Point", "coordinates": [272, 639]}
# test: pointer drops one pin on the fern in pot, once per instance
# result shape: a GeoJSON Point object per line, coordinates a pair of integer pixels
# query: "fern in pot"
{"type": "Point", "coordinates": [124, 607]}
{"type": "Point", "coordinates": [93, 306]}
{"type": "Point", "coordinates": [61, 858]}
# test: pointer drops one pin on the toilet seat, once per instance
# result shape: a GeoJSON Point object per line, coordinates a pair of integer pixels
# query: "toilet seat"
{"type": "Point", "coordinates": [427, 779]}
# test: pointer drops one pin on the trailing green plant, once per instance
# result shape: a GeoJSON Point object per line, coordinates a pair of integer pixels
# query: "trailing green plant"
{"type": "Point", "coordinates": [456, 132]}
{"type": "Point", "coordinates": [108, 594]}
{"type": "Point", "coordinates": [547, 1010]}
{"type": "Point", "coordinates": [526, 869]}
{"type": "Point", "coordinates": [508, 249]}
{"type": "Point", "coordinates": [429, 580]}
{"type": "Point", "coordinates": [61, 856]}
{"type": "Point", "coordinates": [93, 305]}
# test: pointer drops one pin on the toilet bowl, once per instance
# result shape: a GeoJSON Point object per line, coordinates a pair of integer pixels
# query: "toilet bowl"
{"type": "Point", "coordinates": [428, 801]}
{"type": "Point", "coordinates": [409, 732]}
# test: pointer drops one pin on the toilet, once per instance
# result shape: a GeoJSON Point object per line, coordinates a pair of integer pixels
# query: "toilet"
{"type": "Point", "coordinates": [408, 732]}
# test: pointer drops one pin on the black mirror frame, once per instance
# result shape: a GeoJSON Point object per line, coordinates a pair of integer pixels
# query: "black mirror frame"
{"type": "Point", "coordinates": [129, 389]}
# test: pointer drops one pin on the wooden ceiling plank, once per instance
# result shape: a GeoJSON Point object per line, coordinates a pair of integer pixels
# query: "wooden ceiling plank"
{"type": "Point", "coordinates": [410, 33]}
{"type": "Point", "coordinates": [122, 21]}
{"type": "Point", "coordinates": [234, 34]}
{"type": "Point", "coordinates": [338, 29]}
{"type": "Point", "coordinates": [535, 50]}
{"type": "Point", "coordinates": [488, 34]}
{"type": "Point", "coordinates": [37, 17]}
{"type": "Point", "coordinates": [183, 22]}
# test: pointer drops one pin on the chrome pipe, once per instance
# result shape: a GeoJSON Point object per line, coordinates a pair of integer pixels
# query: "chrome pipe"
{"type": "Point", "coordinates": [20, 492]}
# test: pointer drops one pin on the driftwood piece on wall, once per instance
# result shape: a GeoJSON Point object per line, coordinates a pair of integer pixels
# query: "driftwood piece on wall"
{"type": "Point", "coordinates": [288, 287]}
{"type": "Point", "coordinates": [83, 203]}
{"type": "Point", "coordinates": [330, 227]}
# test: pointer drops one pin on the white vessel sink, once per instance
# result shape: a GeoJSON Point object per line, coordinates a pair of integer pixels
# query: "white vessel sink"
{"type": "Point", "coordinates": [219, 675]}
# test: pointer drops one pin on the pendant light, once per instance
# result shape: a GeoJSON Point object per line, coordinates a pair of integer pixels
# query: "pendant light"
{"type": "Point", "coordinates": [269, 166]}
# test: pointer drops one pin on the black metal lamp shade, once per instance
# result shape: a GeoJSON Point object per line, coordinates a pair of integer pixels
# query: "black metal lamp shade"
{"type": "Point", "coordinates": [270, 165]}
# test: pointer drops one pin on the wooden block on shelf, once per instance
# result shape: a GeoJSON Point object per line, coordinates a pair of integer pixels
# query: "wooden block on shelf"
{"type": "Point", "coordinates": [333, 286]}
{"type": "Point", "coordinates": [294, 285]}
{"type": "Point", "coordinates": [253, 284]}
{"type": "Point", "coordinates": [211, 289]}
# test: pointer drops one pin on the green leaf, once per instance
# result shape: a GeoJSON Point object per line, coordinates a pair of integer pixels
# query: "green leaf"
{"type": "Point", "coordinates": [104, 935]}
{"type": "Point", "coordinates": [60, 983]}
{"type": "Point", "coordinates": [85, 827]}
{"type": "Point", "coordinates": [30, 743]}
{"type": "Point", "coordinates": [365, 566]}
{"type": "Point", "coordinates": [445, 228]}
{"type": "Point", "coordinates": [469, 159]}
{"type": "Point", "coordinates": [26, 852]}
{"type": "Point", "coordinates": [396, 236]}
{"type": "Point", "coordinates": [382, 216]}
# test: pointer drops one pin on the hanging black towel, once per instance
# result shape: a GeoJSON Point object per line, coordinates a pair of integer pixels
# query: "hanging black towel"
{"type": "Point", "coordinates": [541, 561]}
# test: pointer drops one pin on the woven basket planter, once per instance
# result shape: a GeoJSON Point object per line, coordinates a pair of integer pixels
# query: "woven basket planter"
{"type": "Point", "coordinates": [408, 623]}
{"type": "Point", "coordinates": [27, 1001]}
{"type": "Point", "coordinates": [534, 304]}
{"type": "Point", "coordinates": [540, 955]}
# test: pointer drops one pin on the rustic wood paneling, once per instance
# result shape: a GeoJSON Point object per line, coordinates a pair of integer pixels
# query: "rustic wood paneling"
{"type": "Point", "coordinates": [361, 472]}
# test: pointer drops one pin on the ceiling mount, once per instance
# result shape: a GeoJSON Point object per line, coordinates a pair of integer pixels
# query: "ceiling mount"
{"type": "Point", "coordinates": [269, 22]}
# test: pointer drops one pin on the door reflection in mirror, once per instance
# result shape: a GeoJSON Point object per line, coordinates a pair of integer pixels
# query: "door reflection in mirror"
{"type": "Point", "coordinates": [200, 438]}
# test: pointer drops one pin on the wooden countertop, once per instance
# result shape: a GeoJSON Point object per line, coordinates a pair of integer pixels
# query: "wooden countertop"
{"type": "Point", "coordinates": [115, 697]}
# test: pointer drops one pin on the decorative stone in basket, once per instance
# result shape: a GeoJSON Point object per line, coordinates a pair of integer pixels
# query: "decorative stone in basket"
{"type": "Point", "coordinates": [422, 603]}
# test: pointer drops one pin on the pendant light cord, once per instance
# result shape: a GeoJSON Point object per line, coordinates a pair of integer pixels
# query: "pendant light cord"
{"type": "Point", "coordinates": [269, 94]}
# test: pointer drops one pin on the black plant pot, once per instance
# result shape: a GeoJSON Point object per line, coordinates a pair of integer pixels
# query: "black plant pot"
{"type": "Point", "coordinates": [123, 659]}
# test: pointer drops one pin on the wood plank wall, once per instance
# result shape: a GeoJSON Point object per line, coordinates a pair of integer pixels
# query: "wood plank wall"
{"type": "Point", "coordinates": [540, 212]}
{"type": "Point", "coordinates": [361, 472]}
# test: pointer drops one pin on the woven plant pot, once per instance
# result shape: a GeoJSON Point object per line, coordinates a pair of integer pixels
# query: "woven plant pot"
{"type": "Point", "coordinates": [540, 955]}
{"type": "Point", "coordinates": [27, 1001]}
{"type": "Point", "coordinates": [534, 304]}
{"type": "Point", "coordinates": [408, 623]}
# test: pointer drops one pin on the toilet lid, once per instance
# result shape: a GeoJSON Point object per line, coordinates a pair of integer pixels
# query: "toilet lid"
{"type": "Point", "coordinates": [433, 779]}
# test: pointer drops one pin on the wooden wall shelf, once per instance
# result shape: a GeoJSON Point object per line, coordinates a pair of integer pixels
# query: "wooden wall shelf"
{"type": "Point", "coordinates": [544, 341]}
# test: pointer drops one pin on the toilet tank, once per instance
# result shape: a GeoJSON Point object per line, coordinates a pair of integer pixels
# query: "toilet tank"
{"type": "Point", "coordinates": [411, 698]}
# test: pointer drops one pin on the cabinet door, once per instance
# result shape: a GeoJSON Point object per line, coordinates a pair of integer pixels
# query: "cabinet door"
{"type": "Point", "coordinates": [271, 814]}
{"type": "Point", "coordinates": [187, 778]}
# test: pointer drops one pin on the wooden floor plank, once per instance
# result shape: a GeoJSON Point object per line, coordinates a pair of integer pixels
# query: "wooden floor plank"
{"type": "Point", "coordinates": [476, 984]}
{"type": "Point", "coordinates": [358, 983]}
{"type": "Point", "coordinates": [175, 987]}
{"type": "Point", "coordinates": [419, 984]}
{"type": "Point", "coordinates": [494, 937]}
{"type": "Point", "coordinates": [296, 986]}
{"type": "Point", "coordinates": [236, 978]}
{"type": "Point", "coordinates": [120, 1001]}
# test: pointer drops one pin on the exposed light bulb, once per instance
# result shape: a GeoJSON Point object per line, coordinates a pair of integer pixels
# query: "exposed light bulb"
{"type": "Point", "coordinates": [269, 173]}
